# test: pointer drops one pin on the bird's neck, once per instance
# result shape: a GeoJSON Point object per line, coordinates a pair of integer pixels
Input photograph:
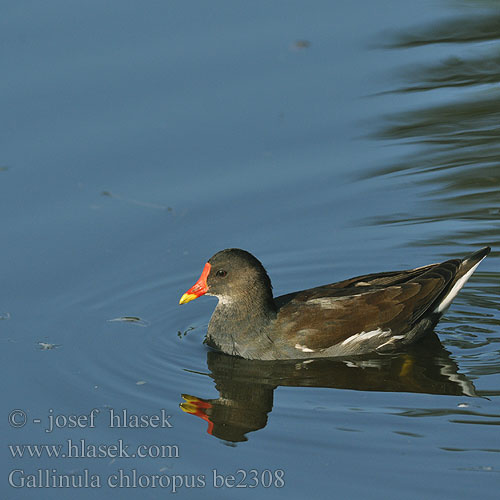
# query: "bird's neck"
{"type": "Point", "coordinates": [239, 325]}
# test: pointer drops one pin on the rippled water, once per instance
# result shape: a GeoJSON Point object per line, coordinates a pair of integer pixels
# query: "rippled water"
{"type": "Point", "coordinates": [330, 140]}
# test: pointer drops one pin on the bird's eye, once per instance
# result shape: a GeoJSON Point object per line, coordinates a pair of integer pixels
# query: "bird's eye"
{"type": "Point", "coordinates": [221, 273]}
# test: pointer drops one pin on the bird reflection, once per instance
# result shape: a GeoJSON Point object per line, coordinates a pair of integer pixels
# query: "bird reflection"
{"type": "Point", "coordinates": [246, 387]}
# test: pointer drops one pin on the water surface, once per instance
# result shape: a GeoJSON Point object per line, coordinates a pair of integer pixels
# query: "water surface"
{"type": "Point", "coordinates": [330, 140]}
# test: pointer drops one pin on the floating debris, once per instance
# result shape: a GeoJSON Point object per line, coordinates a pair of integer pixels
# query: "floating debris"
{"type": "Point", "coordinates": [131, 319]}
{"type": "Point", "coordinates": [4, 316]}
{"type": "Point", "coordinates": [480, 468]}
{"type": "Point", "coordinates": [184, 333]}
{"type": "Point", "coordinates": [4, 169]}
{"type": "Point", "coordinates": [140, 382]}
{"type": "Point", "coordinates": [137, 202]}
{"type": "Point", "coordinates": [46, 346]}
{"type": "Point", "coordinates": [301, 44]}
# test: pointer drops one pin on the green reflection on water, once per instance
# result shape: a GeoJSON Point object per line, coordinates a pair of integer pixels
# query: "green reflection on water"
{"type": "Point", "coordinates": [460, 29]}
{"type": "Point", "coordinates": [455, 142]}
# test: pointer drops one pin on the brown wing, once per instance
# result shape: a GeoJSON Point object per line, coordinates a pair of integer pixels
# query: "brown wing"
{"type": "Point", "coordinates": [321, 317]}
{"type": "Point", "coordinates": [345, 287]}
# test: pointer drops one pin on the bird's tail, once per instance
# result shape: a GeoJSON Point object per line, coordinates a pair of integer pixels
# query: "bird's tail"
{"type": "Point", "coordinates": [465, 269]}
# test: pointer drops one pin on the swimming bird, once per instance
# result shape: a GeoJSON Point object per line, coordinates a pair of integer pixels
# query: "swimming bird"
{"type": "Point", "coordinates": [379, 312]}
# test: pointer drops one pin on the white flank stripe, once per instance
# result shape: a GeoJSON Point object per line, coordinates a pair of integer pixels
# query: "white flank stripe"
{"type": "Point", "coordinates": [360, 337]}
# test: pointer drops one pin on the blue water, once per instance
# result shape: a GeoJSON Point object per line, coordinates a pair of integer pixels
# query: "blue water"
{"type": "Point", "coordinates": [330, 140]}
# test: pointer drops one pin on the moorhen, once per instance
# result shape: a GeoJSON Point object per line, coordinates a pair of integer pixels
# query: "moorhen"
{"type": "Point", "coordinates": [373, 313]}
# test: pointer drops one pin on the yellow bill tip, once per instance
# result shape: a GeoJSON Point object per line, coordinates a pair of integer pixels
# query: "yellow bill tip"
{"type": "Point", "coordinates": [187, 297]}
{"type": "Point", "coordinates": [188, 408]}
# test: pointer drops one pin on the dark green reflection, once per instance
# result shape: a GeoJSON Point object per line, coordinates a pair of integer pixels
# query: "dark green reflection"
{"type": "Point", "coordinates": [460, 29]}
{"type": "Point", "coordinates": [455, 143]}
